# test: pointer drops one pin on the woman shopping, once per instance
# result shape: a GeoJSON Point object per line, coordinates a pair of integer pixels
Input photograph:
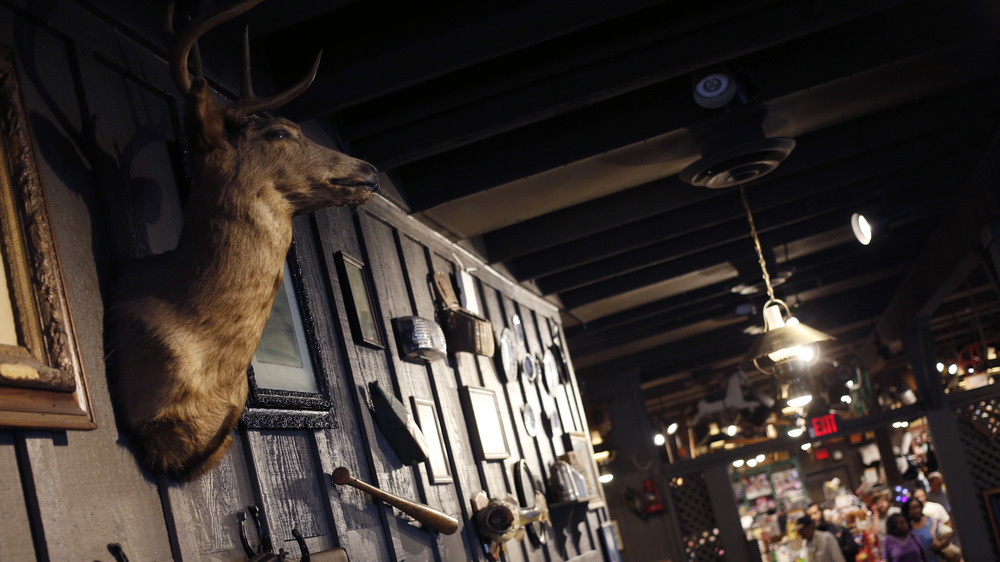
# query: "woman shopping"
{"type": "Point", "coordinates": [900, 544]}
{"type": "Point", "coordinates": [929, 532]}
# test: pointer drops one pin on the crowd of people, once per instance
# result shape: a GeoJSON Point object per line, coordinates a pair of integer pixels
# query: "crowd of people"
{"type": "Point", "coordinates": [916, 529]}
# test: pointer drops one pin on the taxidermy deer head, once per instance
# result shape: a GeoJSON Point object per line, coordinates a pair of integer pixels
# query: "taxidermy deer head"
{"type": "Point", "coordinates": [184, 324]}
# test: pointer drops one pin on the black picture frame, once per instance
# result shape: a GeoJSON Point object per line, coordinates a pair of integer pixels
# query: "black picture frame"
{"type": "Point", "coordinates": [287, 409]}
{"type": "Point", "coordinates": [358, 300]}
{"type": "Point", "coordinates": [438, 467]}
{"type": "Point", "coordinates": [489, 435]}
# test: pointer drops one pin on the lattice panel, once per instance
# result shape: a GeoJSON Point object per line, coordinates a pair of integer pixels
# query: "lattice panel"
{"type": "Point", "coordinates": [699, 530]}
{"type": "Point", "coordinates": [982, 453]}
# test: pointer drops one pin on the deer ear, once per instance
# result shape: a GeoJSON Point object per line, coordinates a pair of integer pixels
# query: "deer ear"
{"type": "Point", "coordinates": [205, 117]}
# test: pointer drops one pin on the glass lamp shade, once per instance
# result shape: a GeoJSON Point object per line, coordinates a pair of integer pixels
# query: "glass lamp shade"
{"type": "Point", "coordinates": [782, 345]}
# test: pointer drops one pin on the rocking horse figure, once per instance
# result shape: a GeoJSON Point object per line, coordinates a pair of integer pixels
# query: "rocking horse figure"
{"type": "Point", "coordinates": [731, 399]}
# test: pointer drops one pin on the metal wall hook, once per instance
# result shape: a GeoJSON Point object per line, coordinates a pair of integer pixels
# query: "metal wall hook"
{"type": "Point", "coordinates": [264, 538]}
{"type": "Point", "coordinates": [118, 552]}
{"type": "Point", "coordinates": [303, 549]}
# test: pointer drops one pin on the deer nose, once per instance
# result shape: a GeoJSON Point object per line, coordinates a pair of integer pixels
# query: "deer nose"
{"type": "Point", "coordinates": [372, 178]}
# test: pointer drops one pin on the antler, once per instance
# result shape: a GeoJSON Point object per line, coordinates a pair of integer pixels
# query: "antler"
{"type": "Point", "coordinates": [248, 103]}
{"type": "Point", "coordinates": [181, 47]}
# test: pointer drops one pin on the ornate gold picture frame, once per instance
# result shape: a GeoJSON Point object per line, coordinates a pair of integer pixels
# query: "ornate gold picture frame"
{"type": "Point", "coordinates": [41, 377]}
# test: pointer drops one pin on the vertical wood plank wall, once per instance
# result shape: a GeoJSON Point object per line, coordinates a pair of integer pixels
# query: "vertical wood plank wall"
{"type": "Point", "coordinates": [106, 123]}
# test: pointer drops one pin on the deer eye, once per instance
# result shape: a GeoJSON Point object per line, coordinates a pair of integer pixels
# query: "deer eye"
{"type": "Point", "coordinates": [277, 134]}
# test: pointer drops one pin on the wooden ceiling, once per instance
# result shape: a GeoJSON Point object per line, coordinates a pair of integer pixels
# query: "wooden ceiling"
{"type": "Point", "coordinates": [548, 137]}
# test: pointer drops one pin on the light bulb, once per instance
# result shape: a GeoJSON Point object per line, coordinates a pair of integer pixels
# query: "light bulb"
{"type": "Point", "coordinates": [659, 440]}
{"type": "Point", "coordinates": [605, 478]}
{"type": "Point", "coordinates": [798, 431]}
{"type": "Point", "coordinates": [800, 401]}
{"type": "Point", "coordinates": [738, 463]}
{"type": "Point", "coordinates": [862, 228]}
{"type": "Point", "coordinates": [731, 430]}
{"type": "Point", "coordinates": [752, 463]}
{"type": "Point", "coordinates": [672, 428]}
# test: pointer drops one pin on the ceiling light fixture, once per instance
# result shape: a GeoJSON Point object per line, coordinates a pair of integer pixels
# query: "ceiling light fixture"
{"type": "Point", "coordinates": [659, 440]}
{"type": "Point", "coordinates": [672, 428]}
{"type": "Point", "coordinates": [785, 342]}
{"type": "Point", "coordinates": [861, 228]}
{"type": "Point", "coordinates": [797, 393]}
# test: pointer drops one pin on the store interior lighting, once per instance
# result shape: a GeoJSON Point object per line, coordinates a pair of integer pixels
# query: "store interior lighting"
{"type": "Point", "coordinates": [786, 342]}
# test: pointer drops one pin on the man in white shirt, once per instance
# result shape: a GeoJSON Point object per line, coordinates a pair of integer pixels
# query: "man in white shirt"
{"type": "Point", "coordinates": [821, 546]}
{"type": "Point", "coordinates": [936, 493]}
{"type": "Point", "coordinates": [932, 509]}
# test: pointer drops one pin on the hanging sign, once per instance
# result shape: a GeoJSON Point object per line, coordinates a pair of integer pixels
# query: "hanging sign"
{"type": "Point", "coordinates": [823, 425]}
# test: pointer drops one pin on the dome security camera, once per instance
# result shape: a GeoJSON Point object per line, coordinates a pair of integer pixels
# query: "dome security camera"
{"type": "Point", "coordinates": [714, 90]}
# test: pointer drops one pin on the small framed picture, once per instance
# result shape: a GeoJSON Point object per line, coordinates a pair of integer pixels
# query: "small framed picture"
{"type": "Point", "coordinates": [581, 454]}
{"type": "Point", "coordinates": [438, 470]}
{"type": "Point", "coordinates": [358, 301]}
{"type": "Point", "coordinates": [488, 432]}
{"type": "Point", "coordinates": [288, 381]}
{"type": "Point", "coordinates": [42, 383]}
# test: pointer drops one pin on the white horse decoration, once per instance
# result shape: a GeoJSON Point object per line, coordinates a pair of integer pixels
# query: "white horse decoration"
{"type": "Point", "coordinates": [732, 399]}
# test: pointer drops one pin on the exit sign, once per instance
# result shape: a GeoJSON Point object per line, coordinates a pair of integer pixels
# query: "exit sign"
{"type": "Point", "coordinates": [823, 425]}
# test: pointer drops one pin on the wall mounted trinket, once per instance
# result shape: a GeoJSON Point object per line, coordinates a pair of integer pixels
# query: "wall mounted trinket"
{"type": "Point", "coordinates": [398, 426]}
{"type": "Point", "coordinates": [419, 339]}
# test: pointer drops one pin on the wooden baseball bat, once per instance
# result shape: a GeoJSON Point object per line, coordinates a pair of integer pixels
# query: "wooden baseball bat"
{"type": "Point", "coordinates": [427, 515]}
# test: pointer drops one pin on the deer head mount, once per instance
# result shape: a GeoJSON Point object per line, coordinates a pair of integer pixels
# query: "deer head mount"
{"type": "Point", "coordinates": [184, 324]}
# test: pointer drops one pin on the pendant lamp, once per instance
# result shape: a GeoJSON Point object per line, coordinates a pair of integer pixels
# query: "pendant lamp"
{"type": "Point", "coordinates": [787, 346]}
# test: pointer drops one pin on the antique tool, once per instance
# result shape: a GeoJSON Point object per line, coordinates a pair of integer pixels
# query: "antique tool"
{"type": "Point", "coordinates": [329, 555]}
{"type": "Point", "coordinates": [499, 520]}
{"type": "Point", "coordinates": [264, 537]}
{"type": "Point", "coordinates": [428, 516]}
{"type": "Point", "coordinates": [398, 426]}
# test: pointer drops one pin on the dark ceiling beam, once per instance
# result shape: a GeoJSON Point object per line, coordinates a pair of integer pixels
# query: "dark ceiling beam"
{"type": "Point", "coordinates": [661, 196]}
{"type": "Point", "coordinates": [696, 256]}
{"type": "Point", "coordinates": [922, 120]}
{"type": "Point", "coordinates": [543, 72]}
{"type": "Point", "coordinates": [406, 45]}
{"type": "Point", "coordinates": [565, 90]}
{"type": "Point", "coordinates": [948, 257]}
{"type": "Point", "coordinates": [816, 277]}
{"type": "Point", "coordinates": [704, 349]}
{"type": "Point", "coordinates": [852, 270]}
{"type": "Point", "coordinates": [564, 266]}
{"type": "Point", "coordinates": [665, 107]}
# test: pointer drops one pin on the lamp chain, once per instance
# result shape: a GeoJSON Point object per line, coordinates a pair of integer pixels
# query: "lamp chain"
{"type": "Point", "coordinates": [756, 245]}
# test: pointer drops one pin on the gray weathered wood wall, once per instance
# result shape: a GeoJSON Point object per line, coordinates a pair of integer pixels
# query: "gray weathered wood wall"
{"type": "Point", "coordinates": [107, 128]}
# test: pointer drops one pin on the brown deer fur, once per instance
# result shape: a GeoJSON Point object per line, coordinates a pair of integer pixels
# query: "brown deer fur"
{"type": "Point", "coordinates": [185, 324]}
